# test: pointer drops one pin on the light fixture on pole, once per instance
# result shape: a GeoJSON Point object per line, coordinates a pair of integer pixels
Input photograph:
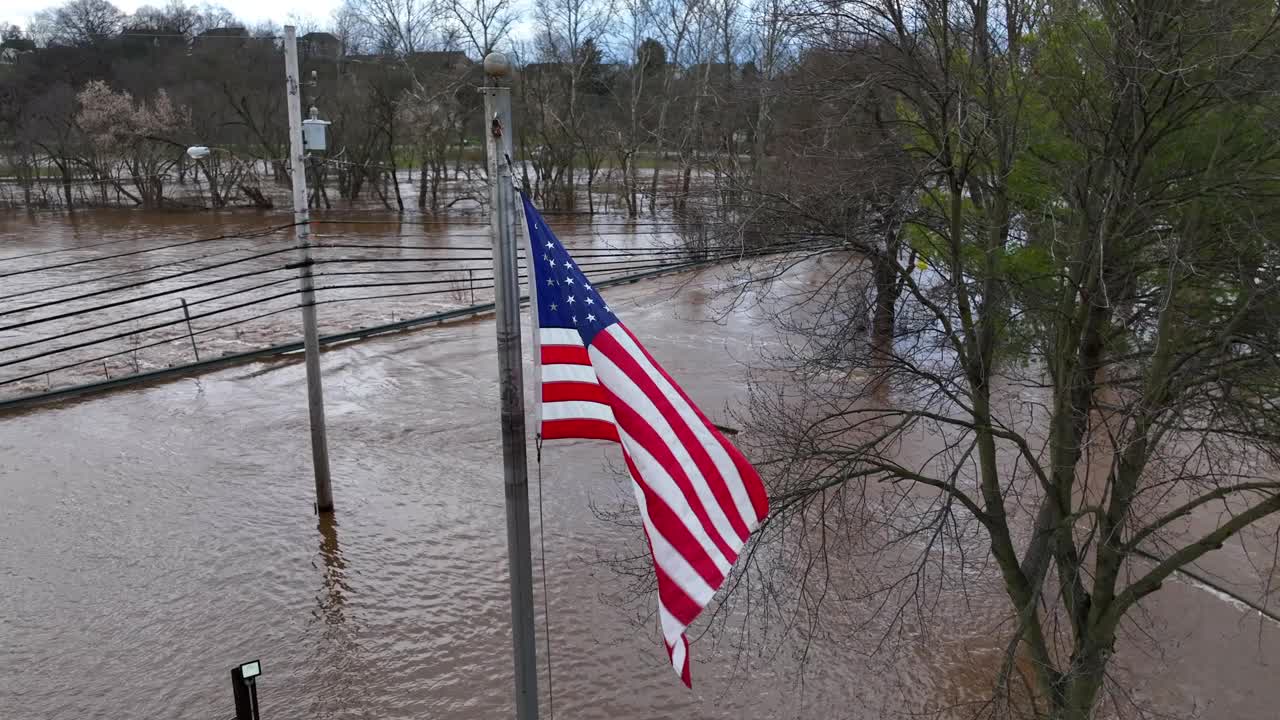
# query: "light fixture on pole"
{"type": "Point", "coordinates": [245, 687]}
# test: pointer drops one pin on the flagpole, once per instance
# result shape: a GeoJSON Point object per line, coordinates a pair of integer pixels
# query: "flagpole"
{"type": "Point", "coordinates": [506, 290]}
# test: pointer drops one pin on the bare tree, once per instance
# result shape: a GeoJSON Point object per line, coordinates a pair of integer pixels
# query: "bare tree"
{"type": "Point", "coordinates": [771, 48]}
{"type": "Point", "coordinates": [630, 92]}
{"type": "Point", "coordinates": [568, 82]}
{"type": "Point", "coordinates": [396, 27]}
{"type": "Point", "coordinates": [1078, 387]}
{"type": "Point", "coordinates": [482, 23]}
{"type": "Point", "coordinates": [179, 18]}
{"type": "Point", "coordinates": [78, 22]}
{"type": "Point", "coordinates": [674, 21]}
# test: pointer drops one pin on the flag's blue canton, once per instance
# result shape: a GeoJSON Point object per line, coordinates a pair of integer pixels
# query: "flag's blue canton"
{"type": "Point", "coordinates": [566, 299]}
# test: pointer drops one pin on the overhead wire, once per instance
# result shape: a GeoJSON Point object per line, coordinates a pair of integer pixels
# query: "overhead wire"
{"type": "Point", "coordinates": [147, 346]}
{"type": "Point", "coordinates": [153, 313]}
{"type": "Point", "coordinates": [152, 281]}
{"type": "Point", "coordinates": [118, 303]}
{"type": "Point", "coordinates": [185, 243]}
{"type": "Point", "coordinates": [395, 295]}
{"type": "Point", "coordinates": [148, 268]}
{"type": "Point", "coordinates": [618, 264]}
{"type": "Point", "coordinates": [139, 331]}
{"type": "Point", "coordinates": [643, 260]}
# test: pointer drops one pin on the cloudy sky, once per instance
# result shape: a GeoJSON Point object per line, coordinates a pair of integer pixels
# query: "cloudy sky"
{"type": "Point", "coordinates": [251, 11]}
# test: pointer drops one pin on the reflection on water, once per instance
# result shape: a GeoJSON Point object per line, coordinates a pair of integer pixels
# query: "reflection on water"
{"type": "Point", "coordinates": [331, 601]}
{"type": "Point", "coordinates": [337, 654]}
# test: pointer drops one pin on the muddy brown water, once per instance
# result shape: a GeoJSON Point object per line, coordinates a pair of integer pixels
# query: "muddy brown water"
{"type": "Point", "coordinates": [154, 537]}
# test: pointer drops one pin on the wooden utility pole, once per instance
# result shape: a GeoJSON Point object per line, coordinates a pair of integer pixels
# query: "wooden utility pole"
{"type": "Point", "coordinates": [502, 219]}
{"type": "Point", "coordinates": [306, 283]}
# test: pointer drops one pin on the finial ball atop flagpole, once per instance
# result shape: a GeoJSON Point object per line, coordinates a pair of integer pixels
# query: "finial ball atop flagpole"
{"type": "Point", "coordinates": [496, 65]}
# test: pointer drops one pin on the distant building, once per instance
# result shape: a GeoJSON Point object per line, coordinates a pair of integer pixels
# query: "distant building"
{"type": "Point", "coordinates": [320, 45]}
{"type": "Point", "coordinates": [13, 48]}
{"type": "Point", "coordinates": [221, 38]}
{"type": "Point", "coordinates": [9, 55]}
{"type": "Point", "coordinates": [440, 60]}
{"type": "Point", "coordinates": [714, 72]}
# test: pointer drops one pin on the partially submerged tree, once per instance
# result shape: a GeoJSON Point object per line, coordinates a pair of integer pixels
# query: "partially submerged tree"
{"type": "Point", "coordinates": [1085, 321]}
{"type": "Point", "coordinates": [129, 141]}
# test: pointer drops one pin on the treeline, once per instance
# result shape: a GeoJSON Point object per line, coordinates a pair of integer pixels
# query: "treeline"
{"type": "Point", "coordinates": [634, 102]}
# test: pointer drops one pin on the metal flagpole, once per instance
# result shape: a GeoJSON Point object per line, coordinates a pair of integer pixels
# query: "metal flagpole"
{"type": "Point", "coordinates": [310, 335]}
{"type": "Point", "coordinates": [502, 219]}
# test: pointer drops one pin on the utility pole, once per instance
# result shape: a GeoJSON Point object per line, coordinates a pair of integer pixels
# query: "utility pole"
{"type": "Point", "coordinates": [306, 283]}
{"type": "Point", "coordinates": [506, 290]}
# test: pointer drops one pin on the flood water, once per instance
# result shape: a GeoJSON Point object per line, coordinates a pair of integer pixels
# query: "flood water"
{"type": "Point", "coordinates": [152, 538]}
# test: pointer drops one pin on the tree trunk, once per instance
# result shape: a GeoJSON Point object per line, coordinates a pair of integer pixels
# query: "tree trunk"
{"type": "Point", "coordinates": [422, 183]}
{"type": "Point", "coordinates": [214, 196]}
{"type": "Point", "coordinates": [66, 183]}
{"type": "Point", "coordinates": [684, 185]}
{"type": "Point", "coordinates": [888, 289]}
{"type": "Point", "coordinates": [395, 180]}
{"type": "Point", "coordinates": [1084, 683]}
{"type": "Point", "coordinates": [882, 316]}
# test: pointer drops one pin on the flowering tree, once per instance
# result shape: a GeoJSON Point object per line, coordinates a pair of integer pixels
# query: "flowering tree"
{"type": "Point", "coordinates": [131, 141]}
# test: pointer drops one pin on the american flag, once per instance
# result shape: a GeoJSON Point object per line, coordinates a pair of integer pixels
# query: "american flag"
{"type": "Point", "coordinates": [699, 498]}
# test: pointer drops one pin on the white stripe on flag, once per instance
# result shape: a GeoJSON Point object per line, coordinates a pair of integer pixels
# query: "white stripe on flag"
{"type": "Point", "coordinates": [677, 655]}
{"type": "Point", "coordinates": [671, 627]}
{"type": "Point", "coordinates": [535, 334]}
{"type": "Point", "coordinates": [671, 561]}
{"type": "Point", "coordinates": [664, 487]}
{"type": "Point", "coordinates": [575, 409]}
{"type": "Point", "coordinates": [613, 378]}
{"type": "Point", "coordinates": [560, 336]}
{"type": "Point", "coordinates": [721, 459]}
{"type": "Point", "coordinates": [568, 373]}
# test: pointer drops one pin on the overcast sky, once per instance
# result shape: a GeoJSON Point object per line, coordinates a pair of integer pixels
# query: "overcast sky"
{"type": "Point", "coordinates": [250, 11]}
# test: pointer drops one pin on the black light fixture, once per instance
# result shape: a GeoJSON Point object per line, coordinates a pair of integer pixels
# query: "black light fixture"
{"type": "Point", "coordinates": [245, 687]}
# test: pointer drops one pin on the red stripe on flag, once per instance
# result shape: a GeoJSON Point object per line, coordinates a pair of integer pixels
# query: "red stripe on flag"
{"type": "Point", "coordinates": [684, 669]}
{"type": "Point", "coordinates": [680, 605]}
{"type": "Point", "coordinates": [609, 345]}
{"type": "Point", "coordinates": [642, 432]}
{"type": "Point", "coordinates": [750, 478]}
{"type": "Point", "coordinates": [565, 354]}
{"type": "Point", "coordinates": [674, 530]}
{"type": "Point", "coordinates": [680, 538]}
{"type": "Point", "coordinates": [563, 391]}
{"type": "Point", "coordinates": [579, 429]}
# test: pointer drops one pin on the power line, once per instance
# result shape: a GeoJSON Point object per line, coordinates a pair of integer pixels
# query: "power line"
{"type": "Point", "coordinates": [145, 347]}
{"type": "Point", "coordinates": [141, 316]}
{"type": "Point", "coordinates": [267, 231]}
{"type": "Point", "coordinates": [469, 223]}
{"type": "Point", "coordinates": [627, 265]}
{"type": "Point", "coordinates": [402, 246]}
{"type": "Point", "coordinates": [139, 331]}
{"type": "Point", "coordinates": [150, 281]}
{"type": "Point", "coordinates": [118, 303]}
{"type": "Point", "coordinates": [100, 278]}
{"type": "Point", "coordinates": [395, 295]}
